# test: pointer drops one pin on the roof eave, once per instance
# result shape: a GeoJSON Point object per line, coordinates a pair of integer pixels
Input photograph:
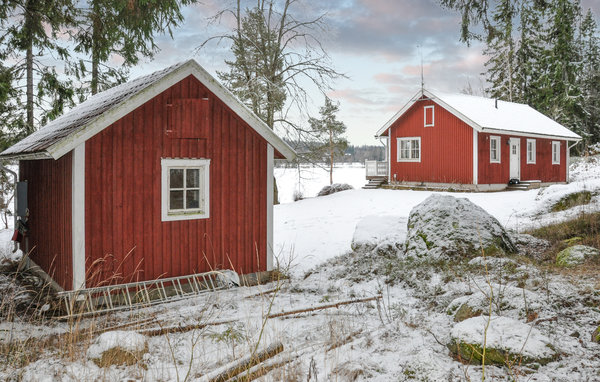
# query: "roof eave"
{"type": "Point", "coordinates": [26, 156]}
{"type": "Point", "coordinates": [532, 135]}
{"type": "Point", "coordinates": [435, 99]}
{"type": "Point", "coordinates": [191, 67]}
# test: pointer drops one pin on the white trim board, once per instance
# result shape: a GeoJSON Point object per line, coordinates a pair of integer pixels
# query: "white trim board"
{"type": "Point", "coordinates": [270, 196]}
{"type": "Point", "coordinates": [475, 157]}
{"type": "Point", "coordinates": [78, 216]}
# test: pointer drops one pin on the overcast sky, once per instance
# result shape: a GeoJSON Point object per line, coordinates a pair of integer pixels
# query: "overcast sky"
{"type": "Point", "coordinates": [374, 42]}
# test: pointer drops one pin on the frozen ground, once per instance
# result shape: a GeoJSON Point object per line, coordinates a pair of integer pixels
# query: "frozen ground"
{"type": "Point", "coordinates": [401, 336]}
{"type": "Point", "coordinates": [313, 230]}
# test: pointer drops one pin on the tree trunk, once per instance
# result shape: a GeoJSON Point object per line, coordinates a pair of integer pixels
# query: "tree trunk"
{"type": "Point", "coordinates": [29, 67]}
{"type": "Point", "coordinates": [30, 100]}
{"type": "Point", "coordinates": [331, 149]}
{"type": "Point", "coordinates": [96, 25]}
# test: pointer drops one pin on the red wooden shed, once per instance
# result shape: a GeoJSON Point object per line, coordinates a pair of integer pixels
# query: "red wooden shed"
{"type": "Point", "coordinates": [469, 142]}
{"type": "Point", "coordinates": [164, 176]}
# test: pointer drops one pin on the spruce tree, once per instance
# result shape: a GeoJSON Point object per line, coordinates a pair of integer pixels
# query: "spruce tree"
{"type": "Point", "coordinates": [328, 134]}
{"type": "Point", "coordinates": [562, 99]}
{"type": "Point", "coordinates": [589, 78]}
{"type": "Point", "coordinates": [501, 65]}
{"type": "Point", "coordinates": [31, 40]}
{"type": "Point", "coordinates": [122, 28]}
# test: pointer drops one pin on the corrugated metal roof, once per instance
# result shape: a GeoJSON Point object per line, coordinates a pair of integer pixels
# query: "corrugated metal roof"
{"type": "Point", "coordinates": [83, 114]}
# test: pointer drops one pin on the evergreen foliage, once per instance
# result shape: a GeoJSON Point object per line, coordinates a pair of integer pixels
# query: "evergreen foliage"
{"type": "Point", "coordinates": [123, 28]}
{"type": "Point", "coordinates": [328, 132]}
{"type": "Point", "coordinates": [550, 62]}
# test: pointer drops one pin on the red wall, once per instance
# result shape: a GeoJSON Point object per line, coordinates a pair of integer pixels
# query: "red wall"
{"type": "Point", "coordinates": [543, 169]}
{"type": "Point", "coordinates": [446, 148]}
{"type": "Point", "coordinates": [49, 202]}
{"type": "Point", "coordinates": [125, 237]}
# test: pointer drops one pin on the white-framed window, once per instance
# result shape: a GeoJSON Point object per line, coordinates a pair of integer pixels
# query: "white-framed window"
{"type": "Point", "coordinates": [555, 152]}
{"type": "Point", "coordinates": [409, 149]}
{"type": "Point", "coordinates": [495, 149]}
{"type": "Point", "coordinates": [531, 151]}
{"type": "Point", "coordinates": [185, 189]}
{"type": "Point", "coordinates": [429, 115]}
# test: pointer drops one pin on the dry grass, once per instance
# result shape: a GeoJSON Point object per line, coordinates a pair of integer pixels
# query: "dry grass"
{"type": "Point", "coordinates": [586, 227]}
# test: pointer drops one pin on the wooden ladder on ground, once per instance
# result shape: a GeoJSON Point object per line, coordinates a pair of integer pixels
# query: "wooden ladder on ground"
{"type": "Point", "coordinates": [99, 300]}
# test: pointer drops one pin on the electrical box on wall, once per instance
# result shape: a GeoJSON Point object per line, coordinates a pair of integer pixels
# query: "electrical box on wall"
{"type": "Point", "coordinates": [21, 199]}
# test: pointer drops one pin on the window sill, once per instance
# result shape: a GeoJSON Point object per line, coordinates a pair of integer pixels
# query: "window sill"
{"type": "Point", "coordinates": [409, 160]}
{"type": "Point", "coordinates": [184, 216]}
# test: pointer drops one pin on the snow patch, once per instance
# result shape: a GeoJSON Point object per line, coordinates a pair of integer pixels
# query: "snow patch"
{"type": "Point", "coordinates": [373, 231]}
{"type": "Point", "coordinates": [506, 334]}
{"type": "Point", "coordinates": [121, 339]}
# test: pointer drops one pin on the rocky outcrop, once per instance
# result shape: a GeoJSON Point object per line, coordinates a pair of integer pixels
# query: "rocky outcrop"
{"type": "Point", "coordinates": [507, 341]}
{"type": "Point", "coordinates": [445, 226]}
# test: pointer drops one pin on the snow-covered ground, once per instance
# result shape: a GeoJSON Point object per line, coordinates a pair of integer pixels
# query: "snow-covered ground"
{"type": "Point", "coordinates": [310, 231]}
{"type": "Point", "coordinates": [401, 336]}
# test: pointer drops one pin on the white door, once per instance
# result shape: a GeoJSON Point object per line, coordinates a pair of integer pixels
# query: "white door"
{"type": "Point", "coordinates": [515, 158]}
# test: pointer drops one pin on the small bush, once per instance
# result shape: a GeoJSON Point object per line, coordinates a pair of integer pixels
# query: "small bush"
{"type": "Point", "coordinates": [298, 195]}
{"type": "Point", "coordinates": [572, 200]}
{"type": "Point", "coordinates": [336, 187]}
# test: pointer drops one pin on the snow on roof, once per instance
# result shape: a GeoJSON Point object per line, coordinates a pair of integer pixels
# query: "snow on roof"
{"type": "Point", "coordinates": [482, 114]}
{"type": "Point", "coordinates": [78, 117]}
{"type": "Point", "coordinates": [99, 111]}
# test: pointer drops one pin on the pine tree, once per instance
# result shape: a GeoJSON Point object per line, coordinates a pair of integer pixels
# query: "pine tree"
{"type": "Point", "coordinates": [256, 73]}
{"type": "Point", "coordinates": [562, 99]}
{"type": "Point", "coordinates": [589, 78]}
{"type": "Point", "coordinates": [31, 29]}
{"type": "Point", "coordinates": [122, 28]}
{"type": "Point", "coordinates": [328, 132]}
{"type": "Point", "coordinates": [501, 66]}
{"type": "Point", "coordinates": [530, 54]}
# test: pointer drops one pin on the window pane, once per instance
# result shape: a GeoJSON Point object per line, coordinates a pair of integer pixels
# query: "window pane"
{"type": "Point", "coordinates": [415, 149]}
{"type": "Point", "coordinates": [176, 178]}
{"type": "Point", "coordinates": [176, 200]}
{"type": "Point", "coordinates": [404, 149]}
{"type": "Point", "coordinates": [192, 199]}
{"type": "Point", "coordinates": [192, 178]}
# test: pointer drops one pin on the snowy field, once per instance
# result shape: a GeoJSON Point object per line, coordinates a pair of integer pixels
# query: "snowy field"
{"type": "Point", "coordinates": [310, 231]}
{"type": "Point", "coordinates": [333, 325]}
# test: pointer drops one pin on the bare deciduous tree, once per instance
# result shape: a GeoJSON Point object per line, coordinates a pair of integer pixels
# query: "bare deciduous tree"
{"type": "Point", "coordinates": [275, 52]}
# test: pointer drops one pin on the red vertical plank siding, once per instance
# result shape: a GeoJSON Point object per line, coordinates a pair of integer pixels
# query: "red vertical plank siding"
{"type": "Point", "coordinates": [542, 169]}
{"type": "Point", "coordinates": [49, 201]}
{"type": "Point", "coordinates": [446, 148]}
{"type": "Point", "coordinates": [129, 190]}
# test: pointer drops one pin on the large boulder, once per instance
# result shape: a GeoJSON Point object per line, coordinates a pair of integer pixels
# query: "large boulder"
{"type": "Point", "coordinates": [576, 255]}
{"type": "Point", "coordinates": [507, 341]}
{"type": "Point", "coordinates": [443, 226]}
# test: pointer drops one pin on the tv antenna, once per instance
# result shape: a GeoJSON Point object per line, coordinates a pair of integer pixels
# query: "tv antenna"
{"type": "Point", "coordinates": [422, 75]}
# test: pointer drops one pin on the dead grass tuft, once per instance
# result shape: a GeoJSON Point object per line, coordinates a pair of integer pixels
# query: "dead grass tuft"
{"type": "Point", "coordinates": [586, 227]}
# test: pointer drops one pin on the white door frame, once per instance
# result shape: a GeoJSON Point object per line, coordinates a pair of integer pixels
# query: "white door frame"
{"type": "Point", "coordinates": [514, 158]}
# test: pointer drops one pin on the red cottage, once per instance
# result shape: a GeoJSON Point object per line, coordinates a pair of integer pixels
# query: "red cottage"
{"type": "Point", "coordinates": [468, 142]}
{"type": "Point", "coordinates": [167, 175]}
